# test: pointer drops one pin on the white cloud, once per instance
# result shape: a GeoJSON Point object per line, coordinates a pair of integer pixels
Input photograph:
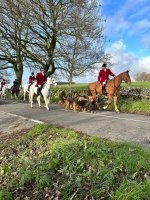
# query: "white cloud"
{"type": "Point", "coordinates": [141, 12]}
{"type": "Point", "coordinates": [123, 22]}
{"type": "Point", "coordinates": [144, 65]}
{"type": "Point", "coordinates": [123, 60]}
{"type": "Point", "coordinates": [141, 26]}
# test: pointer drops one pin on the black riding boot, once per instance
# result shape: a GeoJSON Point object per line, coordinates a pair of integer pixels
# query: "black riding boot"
{"type": "Point", "coordinates": [104, 90]}
{"type": "Point", "coordinates": [38, 91]}
{"type": "Point", "coordinates": [29, 87]}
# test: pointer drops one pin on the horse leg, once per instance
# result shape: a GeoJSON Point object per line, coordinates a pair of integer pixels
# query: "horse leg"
{"type": "Point", "coordinates": [115, 104]}
{"type": "Point", "coordinates": [108, 102]}
{"type": "Point", "coordinates": [4, 96]}
{"type": "Point", "coordinates": [46, 99]}
{"type": "Point", "coordinates": [12, 95]}
{"type": "Point", "coordinates": [24, 95]}
{"type": "Point", "coordinates": [31, 98]}
{"type": "Point", "coordinates": [39, 100]}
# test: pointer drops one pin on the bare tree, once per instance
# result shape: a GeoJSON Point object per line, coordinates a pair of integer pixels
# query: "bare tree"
{"type": "Point", "coordinates": [142, 76]}
{"type": "Point", "coordinates": [55, 34]}
{"type": "Point", "coordinates": [65, 35]}
{"type": "Point", "coordinates": [12, 34]}
{"type": "Point", "coordinates": [43, 24]}
{"type": "Point", "coordinates": [82, 47]}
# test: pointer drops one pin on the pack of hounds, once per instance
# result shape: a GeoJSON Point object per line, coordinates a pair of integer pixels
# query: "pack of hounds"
{"type": "Point", "coordinates": [78, 102]}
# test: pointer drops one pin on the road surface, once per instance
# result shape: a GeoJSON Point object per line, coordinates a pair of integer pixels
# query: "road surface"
{"type": "Point", "coordinates": [118, 127]}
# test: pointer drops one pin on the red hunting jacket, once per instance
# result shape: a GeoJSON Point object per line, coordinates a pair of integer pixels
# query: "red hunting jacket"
{"type": "Point", "coordinates": [31, 79]}
{"type": "Point", "coordinates": [104, 75]}
{"type": "Point", "coordinates": [40, 78]}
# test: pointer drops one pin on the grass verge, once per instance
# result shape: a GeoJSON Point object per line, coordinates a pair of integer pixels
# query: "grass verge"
{"type": "Point", "coordinates": [56, 163]}
{"type": "Point", "coordinates": [133, 106]}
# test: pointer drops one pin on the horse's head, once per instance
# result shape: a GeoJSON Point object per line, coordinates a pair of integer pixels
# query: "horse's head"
{"type": "Point", "coordinates": [51, 81]}
{"type": "Point", "coordinates": [126, 77]}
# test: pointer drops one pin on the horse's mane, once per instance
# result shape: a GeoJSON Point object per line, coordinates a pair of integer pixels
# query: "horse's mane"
{"type": "Point", "coordinates": [119, 75]}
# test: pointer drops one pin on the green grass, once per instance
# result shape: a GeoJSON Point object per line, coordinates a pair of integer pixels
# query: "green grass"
{"type": "Point", "coordinates": [133, 106]}
{"type": "Point", "coordinates": [83, 86]}
{"type": "Point", "coordinates": [139, 84]}
{"type": "Point", "coordinates": [62, 164]}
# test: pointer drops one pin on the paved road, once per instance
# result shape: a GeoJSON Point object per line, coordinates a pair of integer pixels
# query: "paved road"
{"type": "Point", "coordinates": [125, 127]}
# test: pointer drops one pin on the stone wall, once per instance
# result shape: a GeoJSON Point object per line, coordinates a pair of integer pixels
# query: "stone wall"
{"type": "Point", "coordinates": [135, 93]}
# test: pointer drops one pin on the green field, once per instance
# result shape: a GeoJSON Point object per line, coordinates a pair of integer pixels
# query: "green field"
{"type": "Point", "coordinates": [139, 84]}
{"type": "Point", "coordinates": [56, 163]}
{"type": "Point", "coordinates": [80, 86]}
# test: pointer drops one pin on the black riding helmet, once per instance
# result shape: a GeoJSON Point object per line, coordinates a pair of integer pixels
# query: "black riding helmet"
{"type": "Point", "coordinates": [104, 65]}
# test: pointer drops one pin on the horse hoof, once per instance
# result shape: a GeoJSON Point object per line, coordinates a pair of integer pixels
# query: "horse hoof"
{"type": "Point", "coordinates": [117, 111]}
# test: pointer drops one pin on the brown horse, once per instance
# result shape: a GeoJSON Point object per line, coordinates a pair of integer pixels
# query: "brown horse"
{"type": "Point", "coordinates": [15, 92]}
{"type": "Point", "coordinates": [112, 88]}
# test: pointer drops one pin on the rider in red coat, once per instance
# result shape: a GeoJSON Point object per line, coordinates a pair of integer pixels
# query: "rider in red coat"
{"type": "Point", "coordinates": [31, 79]}
{"type": "Point", "coordinates": [103, 77]}
{"type": "Point", "coordinates": [2, 84]}
{"type": "Point", "coordinates": [41, 79]}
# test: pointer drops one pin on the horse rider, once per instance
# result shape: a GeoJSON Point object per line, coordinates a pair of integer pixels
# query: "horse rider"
{"type": "Point", "coordinates": [31, 79]}
{"type": "Point", "coordinates": [41, 79]}
{"type": "Point", "coordinates": [15, 83]}
{"type": "Point", "coordinates": [2, 84]}
{"type": "Point", "coordinates": [103, 77]}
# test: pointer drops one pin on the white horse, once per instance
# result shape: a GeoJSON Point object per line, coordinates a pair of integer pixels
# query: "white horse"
{"type": "Point", "coordinates": [45, 92]}
{"type": "Point", "coordinates": [3, 91]}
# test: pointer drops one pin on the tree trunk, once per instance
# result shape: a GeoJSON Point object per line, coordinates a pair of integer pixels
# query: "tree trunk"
{"type": "Point", "coordinates": [19, 77]}
{"type": "Point", "coordinates": [70, 83]}
{"type": "Point", "coordinates": [19, 74]}
{"type": "Point", "coordinates": [48, 73]}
